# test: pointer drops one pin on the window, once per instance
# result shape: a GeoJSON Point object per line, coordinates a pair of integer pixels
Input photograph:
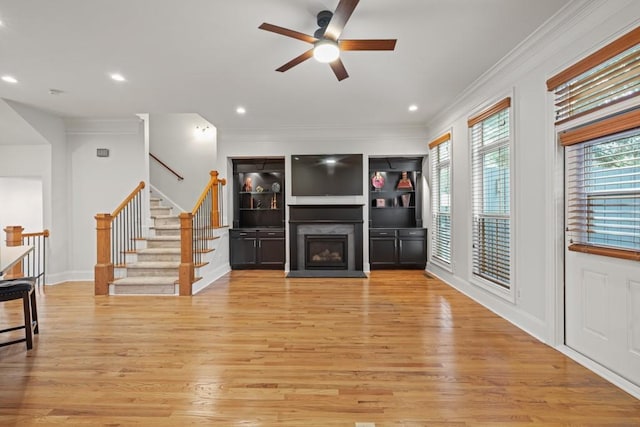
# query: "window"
{"type": "Point", "coordinates": [603, 186]}
{"type": "Point", "coordinates": [440, 152]}
{"type": "Point", "coordinates": [608, 76]}
{"type": "Point", "coordinates": [491, 189]}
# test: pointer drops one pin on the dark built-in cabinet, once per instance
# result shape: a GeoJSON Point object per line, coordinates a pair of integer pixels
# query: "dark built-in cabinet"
{"type": "Point", "coordinates": [257, 248]}
{"type": "Point", "coordinates": [257, 237]}
{"type": "Point", "coordinates": [396, 236]}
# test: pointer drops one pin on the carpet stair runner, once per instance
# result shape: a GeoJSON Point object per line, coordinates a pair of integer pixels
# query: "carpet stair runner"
{"type": "Point", "coordinates": [154, 269]}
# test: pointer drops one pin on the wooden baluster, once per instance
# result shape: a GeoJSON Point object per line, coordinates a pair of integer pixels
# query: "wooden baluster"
{"type": "Point", "coordinates": [103, 270]}
{"type": "Point", "coordinates": [186, 274]}
{"type": "Point", "coordinates": [14, 238]}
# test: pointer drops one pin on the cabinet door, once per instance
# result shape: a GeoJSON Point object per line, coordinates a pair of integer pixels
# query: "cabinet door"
{"type": "Point", "coordinates": [412, 252]}
{"type": "Point", "coordinates": [243, 251]}
{"type": "Point", "coordinates": [271, 252]}
{"type": "Point", "coordinates": [382, 251]}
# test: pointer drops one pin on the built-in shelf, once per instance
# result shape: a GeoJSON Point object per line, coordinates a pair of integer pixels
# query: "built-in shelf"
{"type": "Point", "coordinates": [257, 237]}
{"type": "Point", "coordinates": [396, 239]}
{"type": "Point", "coordinates": [258, 192]}
{"type": "Point", "coordinates": [393, 207]}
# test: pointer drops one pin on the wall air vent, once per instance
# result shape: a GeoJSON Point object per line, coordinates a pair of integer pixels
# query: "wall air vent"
{"type": "Point", "coordinates": [102, 152]}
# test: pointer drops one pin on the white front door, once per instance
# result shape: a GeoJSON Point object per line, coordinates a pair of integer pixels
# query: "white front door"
{"type": "Point", "coordinates": [602, 306]}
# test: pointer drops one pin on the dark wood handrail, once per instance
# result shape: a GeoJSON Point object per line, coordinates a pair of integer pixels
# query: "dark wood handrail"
{"type": "Point", "coordinates": [128, 199]}
{"type": "Point", "coordinates": [180, 177]}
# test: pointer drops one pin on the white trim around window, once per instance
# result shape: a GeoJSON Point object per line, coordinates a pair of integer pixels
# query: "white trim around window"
{"type": "Point", "coordinates": [440, 153]}
{"type": "Point", "coordinates": [492, 249]}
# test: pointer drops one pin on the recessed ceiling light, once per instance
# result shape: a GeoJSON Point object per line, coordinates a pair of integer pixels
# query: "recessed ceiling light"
{"type": "Point", "coordinates": [413, 108]}
{"type": "Point", "coordinates": [118, 77]}
{"type": "Point", "coordinates": [9, 79]}
{"type": "Point", "coordinates": [241, 110]}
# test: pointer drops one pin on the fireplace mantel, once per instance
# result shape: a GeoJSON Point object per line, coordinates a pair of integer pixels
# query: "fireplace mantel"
{"type": "Point", "coordinates": [324, 217]}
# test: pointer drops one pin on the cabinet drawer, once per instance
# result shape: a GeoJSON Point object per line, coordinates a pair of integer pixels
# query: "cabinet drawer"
{"type": "Point", "coordinates": [235, 234]}
{"type": "Point", "coordinates": [382, 232]}
{"type": "Point", "coordinates": [412, 232]}
{"type": "Point", "coordinates": [275, 234]}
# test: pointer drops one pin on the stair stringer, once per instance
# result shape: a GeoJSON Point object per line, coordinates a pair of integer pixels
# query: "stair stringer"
{"type": "Point", "coordinates": [217, 261]}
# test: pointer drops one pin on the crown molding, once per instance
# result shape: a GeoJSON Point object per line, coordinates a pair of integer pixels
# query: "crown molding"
{"type": "Point", "coordinates": [322, 133]}
{"type": "Point", "coordinates": [541, 41]}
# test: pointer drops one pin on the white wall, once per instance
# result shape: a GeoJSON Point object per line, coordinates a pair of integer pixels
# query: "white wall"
{"type": "Point", "coordinates": [285, 142]}
{"type": "Point", "coordinates": [192, 154]}
{"type": "Point", "coordinates": [21, 201]}
{"type": "Point", "coordinates": [582, 28]}
{"type": "Point", "coordinates": [45, 159]}
{"type": "Point", "coordinates": [28, 167]}
{"type": "Point", "coordinates": [99, 184]}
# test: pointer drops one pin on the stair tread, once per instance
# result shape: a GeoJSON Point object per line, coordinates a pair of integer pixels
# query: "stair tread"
{"type": "Point", "coordinates": [154, 264]}
{"type": "Point", "coordinates": [167, 227]}
{"type": "Point", "coordinates": [159, 251]}
{"type": "Point", "coordinates": [163, 238]}
{"type": "Point", "coordinates": [153, 280]}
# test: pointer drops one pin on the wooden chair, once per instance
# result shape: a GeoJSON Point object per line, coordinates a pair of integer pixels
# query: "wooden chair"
{"type": "Point", "coordinates": [16, 289]}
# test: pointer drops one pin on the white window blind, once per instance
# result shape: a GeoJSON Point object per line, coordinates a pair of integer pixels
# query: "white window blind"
{"type": "Point", "coordinates": [610, 75]}
{"type": "Point", "coordinates": [602, 176]}
{"type": "Point", "coordinates": [440, 152]}
{"type": "Point", "coordinates": [491, 189]}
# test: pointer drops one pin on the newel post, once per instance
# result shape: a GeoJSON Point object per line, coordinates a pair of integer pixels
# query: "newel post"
{"type": "Point", "coordinates": [103, 271]}
{"type": "Point", "coordinates": [186, 274]}
{"type": "Point", "coordinates": [14, 238]}
{"type": "Point", "coordinates": [215, 214]}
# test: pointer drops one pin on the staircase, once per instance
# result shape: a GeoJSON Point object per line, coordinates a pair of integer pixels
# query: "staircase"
{"type": "Point", "coordinates": [177, 255]}
{"type": "Point", "coordinates": [154, 267]}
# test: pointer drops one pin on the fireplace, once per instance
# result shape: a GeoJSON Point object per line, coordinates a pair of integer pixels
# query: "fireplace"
{"type": "Point", "coordinates": [326, 252]}
{"type": "Point", "coordinates": [325, 241]}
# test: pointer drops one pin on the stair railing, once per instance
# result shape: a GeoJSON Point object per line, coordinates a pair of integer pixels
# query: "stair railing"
{"type": "Point", "coordinates": [34, 264]}
{"type": "Point", "coordinates": [197, 229]}
{"type": "Point", "coordinates": [116, 236]}
{"type": "Point", "coordinates": [167, 167]}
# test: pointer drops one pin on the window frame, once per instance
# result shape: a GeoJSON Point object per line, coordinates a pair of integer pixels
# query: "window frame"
{"type": "Point", "coordinates": [480, 114]}
{"type": "Point", "coordinates": [435, 169]}
{"type": "Point", "coordinates": [602, 126]}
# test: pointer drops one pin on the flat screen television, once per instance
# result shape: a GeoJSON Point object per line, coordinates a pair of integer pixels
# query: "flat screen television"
{"type": "Point", "coordinates": [326, 175]}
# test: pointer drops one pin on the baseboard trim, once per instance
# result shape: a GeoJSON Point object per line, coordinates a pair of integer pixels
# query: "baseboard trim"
{"type": "Point", "coordinates": [601, 371]}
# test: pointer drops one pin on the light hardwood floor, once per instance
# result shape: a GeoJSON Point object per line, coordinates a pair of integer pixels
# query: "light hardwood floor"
{"type": "Point", "coordinates": [255, 349]}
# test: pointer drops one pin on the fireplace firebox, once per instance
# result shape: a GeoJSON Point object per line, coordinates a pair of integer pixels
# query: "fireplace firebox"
{"type": "Point", "coordinates": [326, 252]}
{"type": "Point", "coordinates": [325, 241]}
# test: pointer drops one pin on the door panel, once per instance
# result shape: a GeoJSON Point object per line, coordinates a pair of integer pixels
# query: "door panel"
{"type": "Point", "coordinates": [634, 317]}
{"type": "Point", "coordinates": [271, 251]}
{"type": "Point", "coordinates": [603, 311]}
{"type": "Point", "coordinates": [594, 316]}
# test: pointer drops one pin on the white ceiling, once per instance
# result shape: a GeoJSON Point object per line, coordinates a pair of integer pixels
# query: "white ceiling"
{"type": "Point", "coordinates": [208, 57]}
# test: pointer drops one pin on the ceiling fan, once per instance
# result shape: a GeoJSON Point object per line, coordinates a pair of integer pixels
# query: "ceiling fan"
{"type": "Point", "coordinates": [326, 41]}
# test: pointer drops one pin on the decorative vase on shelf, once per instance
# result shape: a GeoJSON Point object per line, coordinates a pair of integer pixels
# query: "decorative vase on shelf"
{"type": "Point", "coordinates": [377, 181]}
{"type": "Point", "coordinates": [404, 183]}
{"type": "Point", "coordinates": [406, 200]}
{"type": "Point", "coordinates": [248, 186]}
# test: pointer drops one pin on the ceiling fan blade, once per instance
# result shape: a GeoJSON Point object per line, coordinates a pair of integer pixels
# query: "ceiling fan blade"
{"type": "Point", "coordinates": [295, 61]}
{"type": "Point", "coordinates": [340, 17]}
{"type": "Point", "coordinates": [287, 32]}
{"type": "Point", "coordinates": [338, 68]}
{"type": "Point", "coordinates": [388, 44]}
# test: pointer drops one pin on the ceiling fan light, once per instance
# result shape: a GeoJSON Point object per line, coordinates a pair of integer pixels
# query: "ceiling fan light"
{"type": "Point", "coordinates": [326, 51]}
